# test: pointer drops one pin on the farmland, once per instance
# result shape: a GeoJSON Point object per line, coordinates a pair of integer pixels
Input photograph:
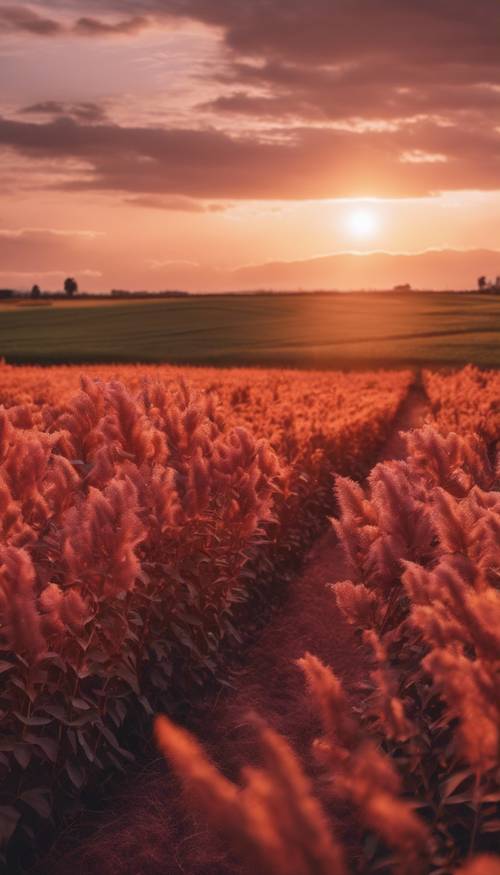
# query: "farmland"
{"type": "Point", "coordinates": [149, 515]}
{"type": "Point", "coordinates": [302, 330]}
{"type": "Point", "coordinates": [250, 437]}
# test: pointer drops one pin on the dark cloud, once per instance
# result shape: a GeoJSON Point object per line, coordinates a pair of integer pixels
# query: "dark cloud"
{"type": "Point", "coordinates": [336, 31]}
{"type": "Point", "coordinates": [370, 90]}
{"type": "Point", "coordinates": [86, 111]}
{"type": "Point", "coordinates": [95, 27]}
{"type": "Point", "coordinates": [333, 31]}
{"type": "Point", "coordinates": [335, 59]}
{"type": "Point", "coordinates": [312, 163]}
{"type": "Point", "coordinates": [393, 77]}
{"type": "Point", "coordinates": [24, 19]}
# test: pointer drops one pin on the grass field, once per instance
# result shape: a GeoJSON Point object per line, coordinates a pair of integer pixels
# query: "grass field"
{"type": "Point", "coordinates": [320, 330]}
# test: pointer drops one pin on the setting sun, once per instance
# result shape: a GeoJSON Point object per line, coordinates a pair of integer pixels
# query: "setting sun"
{"type": "Point", "coordinates": [362, 223]}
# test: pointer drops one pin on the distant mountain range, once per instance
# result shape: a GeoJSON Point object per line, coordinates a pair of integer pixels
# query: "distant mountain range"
{"type": "Point", "coordinates": [433, 269]}
{"type": "Point", "coordinates": [446, 269]}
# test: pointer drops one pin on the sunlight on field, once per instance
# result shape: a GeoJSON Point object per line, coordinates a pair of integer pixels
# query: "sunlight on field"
{"type": "Point", "coordinates": [306, 330]}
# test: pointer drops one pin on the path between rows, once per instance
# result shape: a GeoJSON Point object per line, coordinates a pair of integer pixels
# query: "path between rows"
{"type": "Point", "coordinates": [150, 832]}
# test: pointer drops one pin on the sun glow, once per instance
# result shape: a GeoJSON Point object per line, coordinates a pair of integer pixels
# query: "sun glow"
{"type": "Point", "coordinates": [362, 223]}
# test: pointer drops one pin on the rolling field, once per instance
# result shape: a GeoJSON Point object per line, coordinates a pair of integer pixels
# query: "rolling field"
{"type": "Point", "coordinates": [321, 330]}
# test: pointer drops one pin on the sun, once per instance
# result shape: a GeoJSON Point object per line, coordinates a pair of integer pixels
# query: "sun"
{"type": "Point", "coordinates": [362, 223]}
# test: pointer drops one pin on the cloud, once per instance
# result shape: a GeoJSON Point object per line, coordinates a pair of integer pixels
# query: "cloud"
{"type": "Point", "coordinates": [95, 27]}
{"type": "Point", "coordinates": [27, 274]}
{"type": "Point", "coordinates": [86, 111]}
{"type": "Point", "coordinates": [20, 233]}
{"type": "Point", "coordinates": [312, 98]}
{"type": "Point", "coordinates": [417, 156]}
{"type": "Point", "coordinates": [156, 264]}
{"type": "Point", "coordinates": [306, 163]}
{"type": "Point", "coordinates": [176, 203]}
{"type": "Point", "coordinates": [320, 59]}
{"type": "Point", "coordinates": [322, 32]}
{"type": "Point", "coordinates": [25, 20]}
{"type": "Point", "coordinates": [38, 250]}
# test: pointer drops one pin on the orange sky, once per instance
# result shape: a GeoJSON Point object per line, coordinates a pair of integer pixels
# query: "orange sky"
{"type": "Point", "coordinates": [168, 143]}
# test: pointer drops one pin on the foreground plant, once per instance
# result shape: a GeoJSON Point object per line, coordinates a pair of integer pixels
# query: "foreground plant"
{"type": "Point", "coordinates": [422, 544]}
{"type": "Point", "coordinates": [133, 522]}
{"type": "Point", "coordinates": [274, 822]}
{"type": "Point", "coordinates": [413, 775]}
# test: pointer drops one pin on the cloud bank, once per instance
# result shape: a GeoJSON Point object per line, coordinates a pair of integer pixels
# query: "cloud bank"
{"type": "Point", "coordinates": [312, 98]}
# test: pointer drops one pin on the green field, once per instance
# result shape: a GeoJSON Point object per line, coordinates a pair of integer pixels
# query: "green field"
{"type": "Point", "coordinates": [309, 330]}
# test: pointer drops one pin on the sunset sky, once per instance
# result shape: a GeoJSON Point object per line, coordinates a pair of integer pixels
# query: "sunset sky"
{"type": "Point", "coordinates": [169, 143]}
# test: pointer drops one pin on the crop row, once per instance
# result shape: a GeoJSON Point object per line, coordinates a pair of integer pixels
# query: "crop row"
{"type": "Point", "coordinates": [132, 522]}
{"type": "Point", "coordinates": [465, 401]}
{"type": "Point", "coordinates": [413, 771]}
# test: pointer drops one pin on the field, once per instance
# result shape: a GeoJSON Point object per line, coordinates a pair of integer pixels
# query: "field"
{"type": "Point", "coordinates": [156, 526]}
{"type": "Point", "coordinates": [315, 331]}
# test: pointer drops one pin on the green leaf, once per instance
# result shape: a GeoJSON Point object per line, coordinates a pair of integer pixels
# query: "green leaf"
{"type": "Point", "coordinates": [229, 627]}
{"type": "Point", "coordinates": [55, 660]}
{"type": "Point", "coordinates": [449, 786]}
{"type": "Point", "coordinates": [81, 704]}
{"type": "Point", "coordinates": [460, 799]}
{"type": "Point", "coordinates": [145, 704]}
{"type": "Point", "coordinates": [56, 711]}
{"type": "Point", "coordinates": [22, 753]}
{"type": "Point", "coordinates": [8, 743]}
{"type": "Point", "coordinates": [9, 817]}
{"type": "Point", "coordinates": [89, 753]}
{"type": "Point", "coordinates": [116, 762]}
{"type": "Point", "coordinates": [113, 741]}
{"type": "Point", "coordinates": [50, 746]}
{"type": "Point", "coordinates": [32, 721]}
{"type": "Point", "coordinates": [75, 773]}
{"type": "Point", "coordinates": [37, 799]}
{"type": "Point", "coordinates": [128, 676]}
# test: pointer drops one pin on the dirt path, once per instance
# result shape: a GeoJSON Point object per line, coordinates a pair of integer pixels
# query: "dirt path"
{"type": "Point", "coordinates": [151, 833]}
{"type": "Point", "coordinates": [412, 414]}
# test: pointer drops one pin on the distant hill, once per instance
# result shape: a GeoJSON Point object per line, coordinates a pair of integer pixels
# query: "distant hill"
{"type": "Point", "coordinates": [433, 269]}
{"type": "Point", "coordinates": [445, 269]}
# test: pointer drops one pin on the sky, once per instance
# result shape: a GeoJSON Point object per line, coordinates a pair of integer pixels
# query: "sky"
{"type": "Point", "coordinates": [154, 144]}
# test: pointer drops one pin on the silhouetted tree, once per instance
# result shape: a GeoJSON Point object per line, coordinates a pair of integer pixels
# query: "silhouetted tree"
{"type": "Point", "coordinates": [482, 283]}
{"type": "Point", "coordinates": [35, 291]}
{"type": "Point", "coordinates": [70, 287]}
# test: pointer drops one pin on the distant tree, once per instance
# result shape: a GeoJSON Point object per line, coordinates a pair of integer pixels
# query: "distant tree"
{"type": "Point", "coordinates": [482, 283]}
{"type": "Point", "coordinates": [35, 291]}
{"type": "Point", "coordinates": [70, 287]}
